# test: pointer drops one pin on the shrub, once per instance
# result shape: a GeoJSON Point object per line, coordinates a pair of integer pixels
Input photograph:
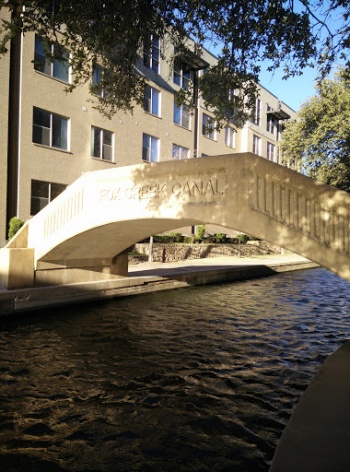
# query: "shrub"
{"type": "Point", "coordinates": [200, 233]}
{"type": "Point", "coordinates": [176, 237]}
{"type": "Point", "coordinates": [242, 238]}
{"type": "Point", "coordinates": [219, 238]}
{"type": "Point", "coordinates": [168, 238]}
{"type": "Point", "coordinates": [160, 238]}
{"type": "Point", "coordinates": [14, 225]}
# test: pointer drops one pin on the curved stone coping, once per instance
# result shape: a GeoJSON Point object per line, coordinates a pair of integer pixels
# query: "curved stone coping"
{"type": "Point", "coordinates": [317, 436]}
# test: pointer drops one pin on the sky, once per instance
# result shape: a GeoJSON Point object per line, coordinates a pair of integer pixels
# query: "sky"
{"type": "Point", "coordinates": [294, 91]}
{"type": "Point", "coordinates": [297, 90]}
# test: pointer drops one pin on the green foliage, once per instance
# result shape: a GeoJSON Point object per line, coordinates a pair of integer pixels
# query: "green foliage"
{"type": "Point", "coordinates": [318, 143]}
{"type": "Point", "coordinates": [200, 232]}
{"type": "Point", "coordinates": [176, 237]}
{"type": "Point", "coordinates": [14, 225]}
{"type": "Point", "coordinates": [161, 238]}
{"type": "Point", "coordinates": [168, 238]}
{"type": "Point", "coordinates": [115, 34]}
{"type": "Point", "coordinates": [216, 238]}
{"type": "Point", "coordinates": [219, 238]}
{"type": "Point", "coordinates": [242, 238]}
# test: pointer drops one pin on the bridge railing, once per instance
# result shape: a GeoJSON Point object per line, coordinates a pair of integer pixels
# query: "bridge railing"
{"type": "Point", "coordinates": [320, 216]}
{"type": "Point", "coordinates": [64, 209]}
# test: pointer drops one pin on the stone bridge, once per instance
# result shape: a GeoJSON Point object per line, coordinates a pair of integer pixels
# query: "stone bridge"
{"type": "Point", "coordinates": [84, 234]}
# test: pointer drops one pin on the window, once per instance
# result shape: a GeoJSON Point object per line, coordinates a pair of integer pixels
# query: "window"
{"type": "Point", "coordinates": [256, 144]}
{"type": "Point", "coordinates": [180, 152]}
{"type": "Point", "coordinates": [271, 124]}
{"type": "Point", "coordinates": [43, 193]}
{"type": "Point", "coordinates": [152, 100]}
{"type": "Point", "coordinates": [151, 57]}
{"type": "Point", "coordinates": [102, 144]}
{"type": "Point", "coordinates": [150, 148]}
{"type": "Point", "coordinates": [96, 86]}
{"type": "Point", "coordinates": [182, 115]}
{"type": "Point", "coordinates": [56, 68]}
{"type": "Point", "coordinates": [270, 152]}
{"type": "Point", "coordinates": [100, 81]}
{"type": "Point", "coordinates": [208, 126]}
{"type": "Point", "coordinates": [50, 129]}
{"type": "Point", "coordinates": [230, 137]}
{"type": "Point", "coordinates": [182, 74]}
{"type": "Point", "coordinates": [231, 95]}
{"type": "Point", "coordinates": [257, 112]}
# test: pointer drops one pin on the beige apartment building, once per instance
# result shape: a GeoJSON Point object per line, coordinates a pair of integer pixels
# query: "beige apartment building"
{"type": "Point", "coordinates": [49, 137]}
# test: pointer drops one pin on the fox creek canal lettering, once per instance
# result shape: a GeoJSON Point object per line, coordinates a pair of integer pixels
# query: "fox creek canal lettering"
{"type": "Point", "coordinates": [204, 189]}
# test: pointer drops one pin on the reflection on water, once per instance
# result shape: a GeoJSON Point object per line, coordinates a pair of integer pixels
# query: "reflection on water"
{"type": "Point", "coordinates": [200, 379]}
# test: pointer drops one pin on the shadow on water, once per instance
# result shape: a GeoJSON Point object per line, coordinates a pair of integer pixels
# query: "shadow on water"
{"type": "Point", "coordinates": [202, 379]}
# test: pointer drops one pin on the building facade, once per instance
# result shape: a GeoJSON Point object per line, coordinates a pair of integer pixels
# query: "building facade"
{"type": "Point", "coordinates": [49, 137]}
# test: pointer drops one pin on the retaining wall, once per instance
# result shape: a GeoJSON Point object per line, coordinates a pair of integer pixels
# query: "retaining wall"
{"type": "Point", "coordinates": [172, 252]}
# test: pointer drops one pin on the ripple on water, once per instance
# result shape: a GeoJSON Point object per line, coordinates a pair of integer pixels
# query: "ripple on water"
{"type": "Point", "coordinates": [202, 379]}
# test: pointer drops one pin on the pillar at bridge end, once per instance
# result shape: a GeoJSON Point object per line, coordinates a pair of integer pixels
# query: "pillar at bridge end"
{"type": "Point", "coordinates": [120, 264]}
{"type": "Point", "coordinates": [16, 268]}
{"type": "Point", "coordinates": [76, 271]}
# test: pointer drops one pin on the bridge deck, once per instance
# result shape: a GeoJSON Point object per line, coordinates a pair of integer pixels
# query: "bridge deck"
{"type": "Point", "coordinates": [85, 232]}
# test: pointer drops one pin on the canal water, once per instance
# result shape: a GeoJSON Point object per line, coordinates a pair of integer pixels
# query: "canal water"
{"type": "Point", "coordinates": [198, 379]}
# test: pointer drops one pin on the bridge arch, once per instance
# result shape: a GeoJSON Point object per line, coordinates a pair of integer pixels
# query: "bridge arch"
{"type": "Point", "coordinates": [92, 223]}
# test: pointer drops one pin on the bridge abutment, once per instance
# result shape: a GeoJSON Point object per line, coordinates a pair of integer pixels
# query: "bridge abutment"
{"type": "Point", "coordinates": [16, 268]}
{"type": "Point", "coordinates": [77, 271]}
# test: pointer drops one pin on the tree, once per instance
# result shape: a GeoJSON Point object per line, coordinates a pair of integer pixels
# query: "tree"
{"type": "Point", "coordinates": [318, 142]}
{"type": "Point", "coordinates": [114, 33]}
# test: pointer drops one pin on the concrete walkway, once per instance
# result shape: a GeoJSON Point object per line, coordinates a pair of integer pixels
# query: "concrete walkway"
{"type": "Point", "coordinates": [216, 263]}
{"type": "Point", "coordinates": [148, 277]}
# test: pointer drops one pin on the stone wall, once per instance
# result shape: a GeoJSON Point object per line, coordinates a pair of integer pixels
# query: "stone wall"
{"type": "Point", "coordinates": [180, 251]}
